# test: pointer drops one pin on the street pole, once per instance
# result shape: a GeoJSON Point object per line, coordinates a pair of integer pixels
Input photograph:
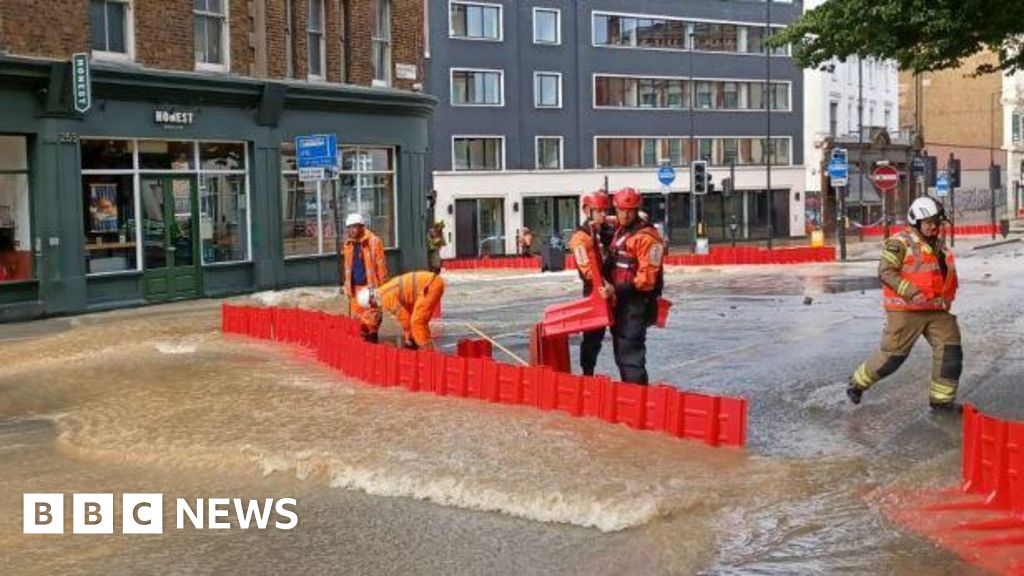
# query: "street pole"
{"type": "Point", "coordinates": [992, 159]}
{"type": "Point", "coordinates": [768, 115]}
{"type": "Point", "coordinates": [952, 202]}
{"type": "Point", "coordinates": [841, 220]}
{"type": "Point", "coordinates": [693, 143]}
{"type": "Point", "coordinates": [860, 144]}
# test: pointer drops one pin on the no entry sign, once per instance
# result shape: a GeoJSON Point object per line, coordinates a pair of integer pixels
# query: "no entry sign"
{"type": "Point", "coordinates": [885, 178]}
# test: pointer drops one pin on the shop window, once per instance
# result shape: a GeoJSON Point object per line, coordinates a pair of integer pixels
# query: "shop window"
{"type": "Point", "coordinates": [314, 212]}
{"type": "Point", "coordinates": [222, 156]}
{"type": "Point", "coordinates": [166, 155]}
{"type": "Point", "coordinates": [107, 155]}
{"type": "Point", "coordinates": [15, 214]}
{"type": "Point", "coordinates": [110, 223]}
{"type": "Point", "coordinates": [210, 32]}
{"type": "Point", "coordinates": [223, 218]}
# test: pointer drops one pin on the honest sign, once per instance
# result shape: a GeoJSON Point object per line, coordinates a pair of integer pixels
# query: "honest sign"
{"type": "Point", "coordinates": [81, 86]}
{"type": "Point", "coordinates": [885, 178]}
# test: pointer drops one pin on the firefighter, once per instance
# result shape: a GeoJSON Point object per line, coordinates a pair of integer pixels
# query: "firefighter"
{"type": "Point", "coordinates": [412, 298]}
{"type": "Point", "coordinates": [919, 284]}
{"type": "Point", "coordinates": [364, 263]}
{"type": "Point", "coordinates": [589, 246]}
{"type": "Point", "coordinates": [635, 267]}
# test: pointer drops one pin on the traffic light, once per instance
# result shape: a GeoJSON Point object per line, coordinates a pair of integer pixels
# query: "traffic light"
{"type": "Point", "coordinates": [995, 177]}
{"type": "Point", "coordinates": [931, 170]}
{"type": "Point", "coordinates": [727, 186]}
{"type": "Point", "coordinates": [954, 172]}
{"type": "Point", "coordinates": [700, 177]}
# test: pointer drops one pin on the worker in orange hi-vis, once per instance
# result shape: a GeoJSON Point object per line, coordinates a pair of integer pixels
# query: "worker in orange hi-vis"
{"type": "Point", "coordinates": [589, 246]}
{"type": "Point", "coordinates": [411, 298]}
{"type": "Point", "coordinates": [364, 263]}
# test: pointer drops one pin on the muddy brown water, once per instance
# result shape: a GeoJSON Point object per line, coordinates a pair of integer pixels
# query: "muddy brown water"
{"type": "Point", "coordinates": [389, 482]}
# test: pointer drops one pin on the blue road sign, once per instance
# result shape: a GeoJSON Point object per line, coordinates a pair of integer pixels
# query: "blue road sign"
{"type": "Point", "coordinates": [942, 184]}
{"type": "Point", "coordinates": [838, 169]}
{"type": "Point", "coordinates": [666, 175]}
{"type": "Point", "coordinates": [316, 151]}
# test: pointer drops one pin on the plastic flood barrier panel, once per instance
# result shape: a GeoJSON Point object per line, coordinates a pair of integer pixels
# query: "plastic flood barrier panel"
{"type": "Point", "coordinates": [547, 385]}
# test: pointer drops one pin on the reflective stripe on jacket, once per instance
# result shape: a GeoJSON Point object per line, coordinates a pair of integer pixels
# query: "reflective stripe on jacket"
{"type": "Point", "coordinates": [636, 257]}
{"type": "Point", "coordinates": [373, 259]}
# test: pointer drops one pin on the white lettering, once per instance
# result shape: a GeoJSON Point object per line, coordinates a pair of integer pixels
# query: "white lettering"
{"type": "Point", "coordinates": [184, 509]}
{"type": "Point", "coordinates": [279, 507]}
{"type": "Point", "coordinates": [253, 509]}
{"type": "Point", "coordinates": [218, 508]}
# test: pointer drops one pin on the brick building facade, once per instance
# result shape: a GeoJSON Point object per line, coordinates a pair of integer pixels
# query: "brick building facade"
{"type": "Point", "coordinates": [174, 174]}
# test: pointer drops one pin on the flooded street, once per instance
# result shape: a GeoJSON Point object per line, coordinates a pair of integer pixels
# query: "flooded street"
{"type": "Point", "coordinates": [388, 482]}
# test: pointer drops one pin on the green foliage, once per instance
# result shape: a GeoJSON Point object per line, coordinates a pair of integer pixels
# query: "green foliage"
{"type": "Point", "coordinates": [921, 35]}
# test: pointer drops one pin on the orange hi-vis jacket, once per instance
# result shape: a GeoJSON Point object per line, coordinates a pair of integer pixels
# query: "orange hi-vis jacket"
{"type": "Point", "coordinates": [587, 252]}
{"type": "Point", "coordinates": [412, 298]}
{"type": "Point", "coordinates": [637, 254]}
{"type": "Point", "coordinates": [920, 269]}
{"type": "Point", "coordinates": [373, 259]}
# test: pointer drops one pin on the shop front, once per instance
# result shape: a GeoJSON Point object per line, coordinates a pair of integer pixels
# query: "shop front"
{"type": "Point", "coordinates": [184, 186]}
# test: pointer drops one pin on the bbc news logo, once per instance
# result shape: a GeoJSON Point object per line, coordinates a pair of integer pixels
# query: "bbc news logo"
{"type": "Point", "coordinates": [144, 513]}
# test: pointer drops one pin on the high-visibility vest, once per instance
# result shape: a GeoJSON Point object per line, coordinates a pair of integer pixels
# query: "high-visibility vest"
{"type": "Point", "coordinates": [627, 257]}
{"type": "Point", "coordinates": [921, 269]}
{"type": "Point", "coordinates": [373, 259]}
{"type": "Point", "coordinates": [402, 291]}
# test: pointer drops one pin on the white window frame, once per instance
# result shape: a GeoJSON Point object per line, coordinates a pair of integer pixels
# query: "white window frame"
{"type": "Point", "coordinates": [323, 43]}
{"type": "Point", "coordinates": [388, 41]}
{"type": "Point", "coordinates": [695, 79]}
{"type": "Point", "coordinates": [501, 21]}
{"type": "Point", "coordinates": [504, 150]}
{"type": "Point", "coordinates": [195, 172]}
{"type": "Point", "coordinates": [696, 138]}
{"type": "Point", "coordinates": [225, 41]}
{"type": "Point", "coordinates": [501, 88]}
{"type": "Point", "coordinates": [536, 86]}
{"type": "Point", "coordinates": [688, 23]}
{"type": "Point", "coordinates": [558, 26]}
{"type": "Point", "coordinates": [536, 152]}
{"type": "Point", "coordinates": [129, 36]}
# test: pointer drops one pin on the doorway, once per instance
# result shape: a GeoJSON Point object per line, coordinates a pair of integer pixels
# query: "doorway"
{"type": "Point", "coordinates": [479, 227]}
{"type": "Point", "coordinates": [170, 253]}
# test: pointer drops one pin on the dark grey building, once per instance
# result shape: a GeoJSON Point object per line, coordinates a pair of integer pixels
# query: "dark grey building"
{"type": "Point", "coordinates": [542, 100]}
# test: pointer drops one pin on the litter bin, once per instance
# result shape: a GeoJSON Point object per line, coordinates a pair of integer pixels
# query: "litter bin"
{"type": "Point", "coordinates": [552, 254]}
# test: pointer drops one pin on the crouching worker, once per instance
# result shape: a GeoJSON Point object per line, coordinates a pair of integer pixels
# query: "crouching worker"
{"type": "Point", "coordinates": [411, 298]}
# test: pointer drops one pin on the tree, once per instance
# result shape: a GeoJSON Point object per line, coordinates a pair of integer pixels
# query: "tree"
{"type": "Point", "coordinates": [920, 35]}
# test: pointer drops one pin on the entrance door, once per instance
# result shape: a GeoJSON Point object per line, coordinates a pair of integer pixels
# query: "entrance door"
{"type": "Point", "coordinates": [170, 253]}
{"type": "Point", "coordinates": [466, 237]}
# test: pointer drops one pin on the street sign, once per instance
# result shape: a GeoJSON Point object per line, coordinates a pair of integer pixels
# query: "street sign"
{"type": "Point", "coordinates": [838, 169]}
{"type": "Point", "coordinates": [942, 184]}
{"type": "Point", "coordinates": [666, 175]}
{"type": "Point", "coordinates": [917, 165]}
{"type": "Point", "coordinates": [316, 151]}
{"type": "Point", "coordinates": [886, 178]}
{"type": "Point", "coordinates": [81, 83]}
{"type": "Point", "coordinates": [312, 174]}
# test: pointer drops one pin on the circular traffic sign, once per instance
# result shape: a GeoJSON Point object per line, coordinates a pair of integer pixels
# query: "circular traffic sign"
{"type": "Point", "coordinates": [666, 175]}
{"type": "Point", "coordinates": [885, 178]}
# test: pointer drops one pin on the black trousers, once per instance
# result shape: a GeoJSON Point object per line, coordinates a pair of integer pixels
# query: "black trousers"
{"type": "Point", "coordinates": [629, 334]}
{"type": "Point", "coordinates": [590, 348]}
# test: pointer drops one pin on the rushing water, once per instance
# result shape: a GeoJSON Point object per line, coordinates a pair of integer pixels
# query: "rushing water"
{"type": "Point", "coordinates": [157, 400]}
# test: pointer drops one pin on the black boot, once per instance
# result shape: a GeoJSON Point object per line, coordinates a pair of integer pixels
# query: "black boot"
{"type": "Point", "coordinates": [854, 393]}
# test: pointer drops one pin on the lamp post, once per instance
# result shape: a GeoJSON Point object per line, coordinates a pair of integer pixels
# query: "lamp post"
{"type": "Point", "coordinates": [768, 117]}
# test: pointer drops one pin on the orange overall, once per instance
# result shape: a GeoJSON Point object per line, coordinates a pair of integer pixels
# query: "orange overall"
{"type": "Point", "coordinates": [411, 298]}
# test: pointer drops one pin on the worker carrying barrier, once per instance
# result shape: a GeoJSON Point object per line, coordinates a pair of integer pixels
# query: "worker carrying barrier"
{"type": "Point", "coordinates": [336, 340]}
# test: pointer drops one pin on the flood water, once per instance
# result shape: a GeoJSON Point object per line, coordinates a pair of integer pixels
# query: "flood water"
{"type": "Point", "coordinates": [389, 482]}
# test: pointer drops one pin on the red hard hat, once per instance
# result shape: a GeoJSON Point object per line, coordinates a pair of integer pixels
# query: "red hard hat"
{"type": "Point", "coordinates": [627, 199]}
{"type": "Point", "coordinates": [597, 200]}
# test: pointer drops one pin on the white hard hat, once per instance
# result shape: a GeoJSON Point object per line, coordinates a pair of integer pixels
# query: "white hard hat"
{"type": "Point", "coordinates": [355, 219]}
{"type": "Point", "coordinates": [365, 297]}
{"type": "Point", "coordinates": [924, 208]}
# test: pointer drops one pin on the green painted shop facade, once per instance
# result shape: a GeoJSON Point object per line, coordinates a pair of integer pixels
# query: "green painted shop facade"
{"type": "Point", "coordinates": [176, 186]}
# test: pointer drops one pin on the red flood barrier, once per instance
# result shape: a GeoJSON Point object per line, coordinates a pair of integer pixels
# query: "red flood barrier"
{"type": "Point", "coordinates": [982, 520]}
{"type": "Point", "coordinates": [715, 420]}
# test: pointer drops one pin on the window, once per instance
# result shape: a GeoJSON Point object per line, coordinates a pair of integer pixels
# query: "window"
{"type": "Point", "coordinates": [1015, 127]}
{"type": "Point", "coordinates": [475, 21]}
{"type": "Point", "coordinates": [382, 43]}
{"type": "Point", "coordinates": [478, 153]}
{"type": "Point", "coordinates": [888, 119]}
{"type": "Point", "coordinates": [547, 90]}
{"type": "Point", "coordinates": [615, 152]}
{"type": "Point", "coordinates": [313, 212]}
{"type": "Point", "coordinates": [637, 31]}
{"type": "Point", "coordinates": [111, 25]}
{"type": "Point", "coordinates": [833, 118]}
{"type": "Point", "coordinates": [211, 34]}
{"type": "Point", "coordinates": [223, 204]}
{"type": "Point", "coordinates": [110, 172]}
{"type": "Point", "coordinates": [315, 39]}
{"type": "Point", "coordinates": [674, 93]}
{"type": "Point", "coordinates": [16, 260]}
{"type": "Point", "coordinates": [549, 153]}
{"type": "Point", "coordinates": [477, 88]}
{"type": "Point", "coordinates": [547, 26]}
{"type": "Point", "coordinates": [289, 39]}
